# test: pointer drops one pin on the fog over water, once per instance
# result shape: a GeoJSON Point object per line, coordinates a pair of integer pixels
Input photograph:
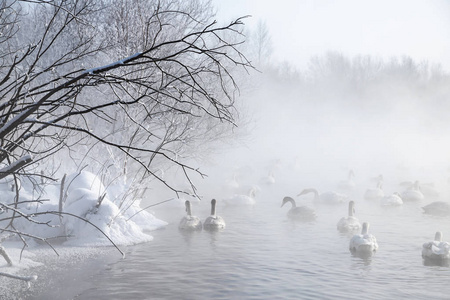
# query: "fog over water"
{"type": "Point", "coordinates": [316, 138]}
{"type": "Point", "coordinates": [380, 109]}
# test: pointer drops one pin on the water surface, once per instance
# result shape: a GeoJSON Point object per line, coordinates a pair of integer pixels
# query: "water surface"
{"type": "Point", "coordinates": [263, 255]}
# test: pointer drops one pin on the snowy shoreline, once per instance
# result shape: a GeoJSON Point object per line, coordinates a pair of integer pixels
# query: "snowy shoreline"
{"type": "Point", "coordinates": [90, 231]}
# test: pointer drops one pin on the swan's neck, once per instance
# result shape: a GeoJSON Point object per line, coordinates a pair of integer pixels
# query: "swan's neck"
{"type": "Point", "coordinates": [307, 191]}
{"type": "Point", "coordinates": [438, 236]}
{"type": "Point", "coordinates": [292, 202]}
{"type": "Point", "coordinates": [188, 208]}
{"type": "Point", "coordinates": [351, 209]}
{"type": "Point", "coordinates": [213, 208]}
{"type": "Point", "coordinates": [316, 194]}
{"type": "Point", "coordinates": [380, 184]}
{"type": "Point", "coordinates": [365, 228]}
{"type": "Point", "coordinates": [350, 175]}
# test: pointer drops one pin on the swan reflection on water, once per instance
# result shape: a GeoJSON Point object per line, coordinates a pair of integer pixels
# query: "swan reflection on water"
{"type": "Point", "coordinates": [436, 262]}
{"type": "Point", "coordinates": [362, 258]}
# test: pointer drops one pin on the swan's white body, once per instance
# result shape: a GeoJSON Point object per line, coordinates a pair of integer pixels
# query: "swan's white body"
{"type": "Point", "coordinates": [350, 223]}
{"type": "Point", "coordinates": [391, 200]}
{"type": "Point", "coordinates": [326, 197]}
{"type": "Point", "coordinates": [299, 213]}
{"type": "Point", "coordinates": [241, 199]}
{"type": "Point", "coordinates": [363, 243]}
{"type": "Point", "coordinates": [428, 189]}
{"type": "Point", "coordinates": [437, 249]}
{"type": "Point", "coordinates": [231, 185]}
{"type": "Point", "coordinates": [374, 193]}
{"type": "Point", "coordinates": [190, 222]}
{"type": "Point", "coordinates": [268, 180]}
{"type": "Point", "coordinates": [213, 222]}
{"type": "Point", "coordinates": [413, 194]}
{"type": "Point", "coordinates": [437, 208]}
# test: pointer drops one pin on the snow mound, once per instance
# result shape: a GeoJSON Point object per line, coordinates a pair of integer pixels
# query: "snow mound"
{"type": "Point", "coordinates": [89, 216]}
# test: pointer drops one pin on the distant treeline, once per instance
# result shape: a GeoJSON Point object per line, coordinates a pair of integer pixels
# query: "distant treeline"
{"type": "Point", "coordinates": [362, 81]}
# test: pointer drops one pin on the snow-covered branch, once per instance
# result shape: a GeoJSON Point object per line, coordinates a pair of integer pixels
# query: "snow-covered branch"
{"type": "Point", "coordinates": [15, 166]}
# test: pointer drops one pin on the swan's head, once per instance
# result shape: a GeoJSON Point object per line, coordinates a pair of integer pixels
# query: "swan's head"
{"type": "Point", "coordinates": [438, 236]}
{"type": "Point", "coordinates": [286, 200]}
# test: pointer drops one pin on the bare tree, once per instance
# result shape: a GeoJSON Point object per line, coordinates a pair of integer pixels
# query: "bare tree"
{"type": "Point", "coordinates": [261, 43]}
{"type": "Point", "coordinates": [136, 80]}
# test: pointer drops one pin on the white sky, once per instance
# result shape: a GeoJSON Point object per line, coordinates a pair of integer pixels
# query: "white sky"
{"type": "Point", "coordinates": [304, 28]}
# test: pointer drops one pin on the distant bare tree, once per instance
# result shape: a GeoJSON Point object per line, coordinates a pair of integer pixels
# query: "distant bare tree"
{"type": "Point", "coordinates": [260, 43]}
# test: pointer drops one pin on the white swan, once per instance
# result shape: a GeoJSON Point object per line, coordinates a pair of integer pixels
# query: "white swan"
{"type": "Point", "coordinates": [190, 222]}
{"type": "Point", "coordinates": [299, 213]}
{"type": "Point", "coordinates": [268, 180]}
{"type": "Point", "coordinates": [326, 197]}
{"type": "Point", "coordinates": [437, 249]}
{"type": "Point", "coordinates": [363, 243]}
{"type": "Point", "coordinates": [374, 193]}
{"type": "Point", "coordinates": [242, 199]}
{"type": "Point", "coordinates": [213, 222]}
{"type": "Point", "coordinates": [428, 190]}
{"type": "Point", "coordinates": [348, 184]}
{"type": "Point", "coordinates": [350, 223]}
{"type": "Point", "coordinates": [231, 184]}
{"type": "Point", "coordinates": [391, 200]}
{"type": "Point", "coordinates": [413, 193]}
{"type": "Point", "coordinates": [437, 208]}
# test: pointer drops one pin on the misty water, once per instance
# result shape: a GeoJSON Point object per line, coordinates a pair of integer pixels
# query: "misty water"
{"type": "Point", "coordinates": [261, 254]}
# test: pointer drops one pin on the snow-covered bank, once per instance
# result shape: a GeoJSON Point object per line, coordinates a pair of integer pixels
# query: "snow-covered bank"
{"type": "Point", "coordinates": [85, 198]}
{"type": "Point", "coordinates": [92, 215]}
